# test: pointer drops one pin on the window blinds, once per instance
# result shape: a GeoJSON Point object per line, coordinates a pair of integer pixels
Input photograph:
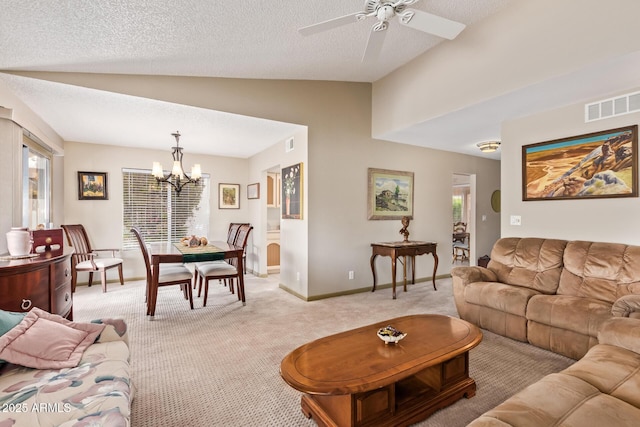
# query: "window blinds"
{"type": "Point", "coordinates": [161, 214]}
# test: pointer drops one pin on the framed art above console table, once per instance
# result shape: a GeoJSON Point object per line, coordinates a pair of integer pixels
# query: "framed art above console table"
{"type": "Point", "coordinates": [42, 281]}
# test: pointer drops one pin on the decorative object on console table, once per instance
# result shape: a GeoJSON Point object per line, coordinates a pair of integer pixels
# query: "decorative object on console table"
{"type": "Point", "coordinates": [46, 240]}
{"type": "Point", "coordinates": [595, 165]}
{"type": "Point", "coordinates": [405, 228]}
{"type": "Point", "coordinates": [253, 191]}
{"type": "Point", "coordinates": [92, 186]}
{"type": "Point", "coordinates": [18, 241]}
{"type": "Point", "coordinates": [389, 194]}
{"type": "Point", "coordinates": [228, 196]}
{"type": "Point", "coordinates": [43, 282]}
{"type": "Point", "coordinates": [292, 191]}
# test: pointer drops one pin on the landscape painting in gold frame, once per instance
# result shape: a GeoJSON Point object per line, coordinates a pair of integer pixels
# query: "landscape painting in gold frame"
{"type": "Point", "coordinates": [595, 165]}
{"type": "Point", "coordinates": [389, 194]}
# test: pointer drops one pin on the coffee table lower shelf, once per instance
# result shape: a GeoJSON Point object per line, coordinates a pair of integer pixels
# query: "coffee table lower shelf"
{"type": "Point", "coordinates": [399, 404]}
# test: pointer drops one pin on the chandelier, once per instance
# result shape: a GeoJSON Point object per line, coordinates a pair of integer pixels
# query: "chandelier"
{"type": "Point", "coordinates": [177, 178]}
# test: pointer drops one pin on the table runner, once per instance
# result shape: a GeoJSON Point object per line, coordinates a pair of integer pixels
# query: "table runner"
{"type": "Point", "coordinates": [200, 253]}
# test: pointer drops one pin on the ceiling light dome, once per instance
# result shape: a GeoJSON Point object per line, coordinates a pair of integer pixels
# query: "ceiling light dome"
{"type": "Point", "coordinates": [488, 146]}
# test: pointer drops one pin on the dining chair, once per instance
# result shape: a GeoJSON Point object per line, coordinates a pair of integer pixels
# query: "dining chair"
{"type": "Point", "coordinates": [170, 274]}
{"type": "Point", "coordinates": [460, 242]}
{"type": "Point", "coordinates": [85, 258]}
{"type": "Point", "coordinates": [232, 235]}
{"type": "Point", "coordinates": [207, 271]}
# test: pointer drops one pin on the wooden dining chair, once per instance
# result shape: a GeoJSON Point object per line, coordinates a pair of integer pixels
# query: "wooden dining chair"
{"type": "Point", "coordinates": [170, 274]}
{"type": "Point", "coordinates": [207, 271]}
{"type": "Point", "coordinates": [460, 241]}
{"type": "Point", "coordinates": [232, 235]}
{"type": "Point", "coordinates": [85, 258]}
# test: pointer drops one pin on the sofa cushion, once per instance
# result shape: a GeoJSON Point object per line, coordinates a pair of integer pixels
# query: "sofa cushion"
{"type": "Point", "coordinates": [582, 315]}
{"type": "Point", "coordinates": [506, 298]}
{"type": "Point", "coordinates": [560, 399]}
{"type": "Point", "coordinates": [47, 341]}
{"type": "Point", "coordinates": [528, 262]}
{"type": "Point", "coordinates": [604, 271]}
{"type": "Point", "coordinates": [612, 370]}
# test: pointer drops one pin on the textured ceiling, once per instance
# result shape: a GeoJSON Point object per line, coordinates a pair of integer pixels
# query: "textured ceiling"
{"type": "Point", "coordinates": [242, 39]}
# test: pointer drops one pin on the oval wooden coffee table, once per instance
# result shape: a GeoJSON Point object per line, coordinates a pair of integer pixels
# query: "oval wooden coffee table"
{"type": "Point", "coordinates": [354, 379]}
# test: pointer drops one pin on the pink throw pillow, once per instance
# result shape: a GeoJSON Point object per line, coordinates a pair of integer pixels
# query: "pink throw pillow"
{"type": "Point", "coordinates": [47, 341]}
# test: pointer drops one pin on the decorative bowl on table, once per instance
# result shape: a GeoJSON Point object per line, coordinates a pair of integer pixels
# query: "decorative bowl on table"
{"type": "Point", "coordinates": [390, 335]}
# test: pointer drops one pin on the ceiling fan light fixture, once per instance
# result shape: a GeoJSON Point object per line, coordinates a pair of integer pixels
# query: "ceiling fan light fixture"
{"type": "Point", "coordinates": [488, 146]}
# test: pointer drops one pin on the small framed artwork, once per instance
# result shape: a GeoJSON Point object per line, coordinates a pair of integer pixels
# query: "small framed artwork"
{"type": "Point", "coordinates": [591, 166]}
{"type": "Point", "coordinates": [228, 196]}
{"type": "Point", "coordinates": [92, 186]}
{"type": "Point", "coordinates": [292, 192]}
{"type": "Point", "coordinates": [253, 191]}
{"type": "Point", "coordinates": [390, 194]}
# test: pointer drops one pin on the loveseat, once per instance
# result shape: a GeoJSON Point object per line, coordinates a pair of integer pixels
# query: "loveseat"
{"type": "Point", "coordinates": [601, 389]}
{"type": "Point", "coordinates": [554, 294]}
{"type": "Point", "coordinates": [62, 373]}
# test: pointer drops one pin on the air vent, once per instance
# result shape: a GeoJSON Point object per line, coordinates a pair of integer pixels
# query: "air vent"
{"type": "Point", "coordinates": [624, 104]}
{"type": "Point", "coordinates": [288, 145]}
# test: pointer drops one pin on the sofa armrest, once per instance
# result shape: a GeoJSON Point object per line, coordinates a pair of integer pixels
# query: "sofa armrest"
{"type": "Point", "coordinates": [622, 332]}
{"type": "Point", "coordinates": [468, 275]}
{"type": "Point", "coordinates": [626, 306]}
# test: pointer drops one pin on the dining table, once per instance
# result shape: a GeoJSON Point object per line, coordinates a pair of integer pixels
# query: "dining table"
{"type": "Point", "coordinates": [176, 252]}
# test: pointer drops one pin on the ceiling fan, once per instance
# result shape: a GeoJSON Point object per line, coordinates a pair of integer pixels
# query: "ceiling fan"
{"type": "Point", "coordinates": [384, 10]}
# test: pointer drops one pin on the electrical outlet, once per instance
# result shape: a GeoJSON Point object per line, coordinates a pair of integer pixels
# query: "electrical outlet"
{"type": "Point", "coordinates": [351, 275]}
{"type": "Point", "coordinates": [298, 276]}
{"type": "Point", "coordinates": [516, 220]}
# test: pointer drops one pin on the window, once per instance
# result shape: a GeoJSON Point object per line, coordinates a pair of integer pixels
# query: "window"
{"type": "Point", "coordinates": [36, 182]}
{"type": "Point", "coordinates": [161, 214]}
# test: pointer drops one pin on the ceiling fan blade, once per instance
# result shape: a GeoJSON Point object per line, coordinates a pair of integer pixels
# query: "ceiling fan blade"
{"type": "Point", "coordinates": [375, 42]}
{"type": "Point", "coordinates": [328, 25]}
{"type": "Point", "coordinates": [432, 24]}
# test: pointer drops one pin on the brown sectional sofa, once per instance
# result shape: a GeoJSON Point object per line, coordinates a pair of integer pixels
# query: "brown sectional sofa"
{"type": "Point", "coordinates": [554, 294]}
{"type": "Point", "coordinates": [601, 389]}
{"type": "Point", "coordinates": [580, 299]}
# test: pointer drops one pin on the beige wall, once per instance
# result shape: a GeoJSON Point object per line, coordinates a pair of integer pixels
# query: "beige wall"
{"type": "Point", "coordinates": [340, 149]}
{"type": "Point", "coordinates": [525, 43]}
{"type": "Point", "coordinates": [608, 220]}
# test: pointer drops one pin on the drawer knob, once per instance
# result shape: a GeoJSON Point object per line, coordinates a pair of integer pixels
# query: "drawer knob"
{"type": "Point", "coordinates": [66, 296]}
{"type": "Point", "coordinates": [66, 272]}
{"type": "Point", "coordinates": [26, 304]}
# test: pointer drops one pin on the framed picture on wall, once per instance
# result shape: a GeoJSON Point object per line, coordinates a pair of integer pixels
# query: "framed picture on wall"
{"type": "Point", "coordinates": [292, 192]}
{"type": "Point", "coordinates": [228, 196]}
{"type": "Point", "coordinates": [595, 165]}
{"type": "Point", "coordinates": [92, 186]}
{"type": "Point", "coordinates": [253, 191]}
{"type": "Point", "coordinates": [389, 194]}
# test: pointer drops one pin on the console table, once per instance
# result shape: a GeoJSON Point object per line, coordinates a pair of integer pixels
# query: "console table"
{"type": "Point", "coordinates": [43, 281]}
{"type": "Point", "coordinates": [403, 249]}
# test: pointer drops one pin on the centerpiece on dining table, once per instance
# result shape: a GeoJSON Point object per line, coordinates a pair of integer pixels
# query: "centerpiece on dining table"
{"type": "Point", "coordinates": [194, 241]}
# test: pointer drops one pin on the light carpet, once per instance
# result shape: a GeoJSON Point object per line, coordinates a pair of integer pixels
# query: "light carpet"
{"type": "Point", "coordinates": [219, 365]}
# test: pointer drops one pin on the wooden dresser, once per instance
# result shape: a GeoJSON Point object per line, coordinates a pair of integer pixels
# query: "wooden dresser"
{"type": "Point", "coordinates": [43, 282]}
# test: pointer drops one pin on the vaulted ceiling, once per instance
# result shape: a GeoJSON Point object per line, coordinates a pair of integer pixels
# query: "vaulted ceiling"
{"type": "Point", "coordinates": [255, 39]}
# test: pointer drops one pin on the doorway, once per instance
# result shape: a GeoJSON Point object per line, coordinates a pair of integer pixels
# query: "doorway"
{"type": "Point", "coordinates": [273, 199]}
{"type": "Point", "coordinates": [462, 215]}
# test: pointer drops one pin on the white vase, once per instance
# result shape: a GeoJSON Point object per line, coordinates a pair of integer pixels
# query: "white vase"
{"type": "Point", "coordinates": [18, 241]}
